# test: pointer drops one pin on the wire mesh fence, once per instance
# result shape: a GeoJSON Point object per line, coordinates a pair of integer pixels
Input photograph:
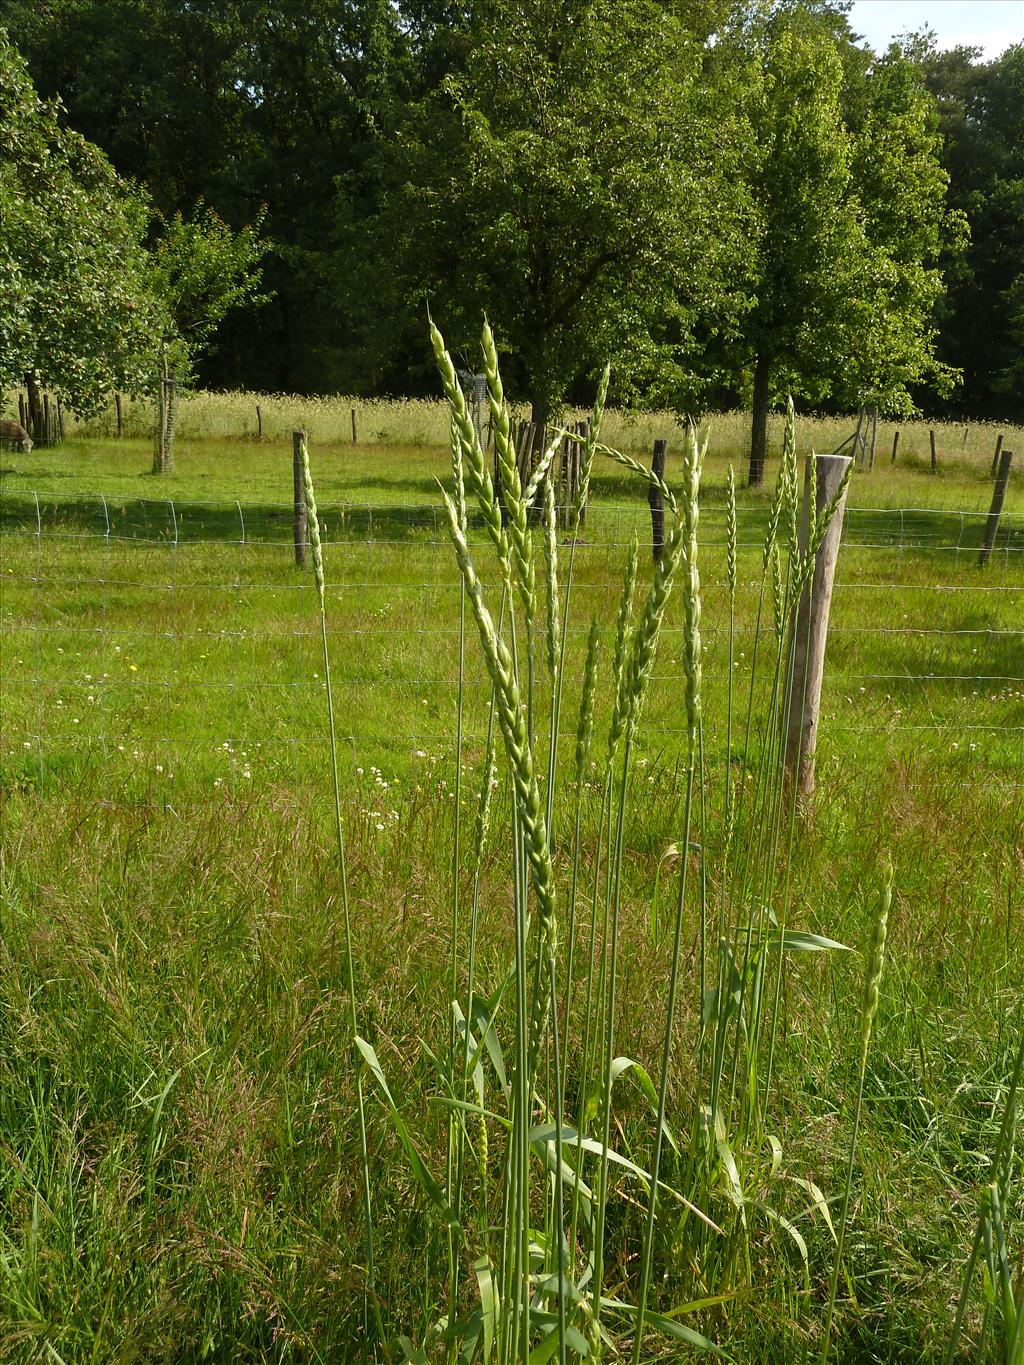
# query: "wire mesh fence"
{"type": "Point", "coordinates": [162, 652]}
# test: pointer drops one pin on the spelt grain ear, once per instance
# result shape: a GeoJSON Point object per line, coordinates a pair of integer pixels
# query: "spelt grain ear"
{"type": "Point", "coordinates": [477, 475]}
{"type": "Point", "coordinates": [585, 728]}
{"type": "Point", "coordinates": [590, 444]}
{"type": "Point", "coordinates": [731, 533]}
{"type": "Point", "coordinates": [512, 721]}
{"type": "Point", "coordinates": [551, 564]}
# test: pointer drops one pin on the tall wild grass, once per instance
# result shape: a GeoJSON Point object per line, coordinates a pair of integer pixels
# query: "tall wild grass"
{"type": "Point", "coordinates": [231, 416]}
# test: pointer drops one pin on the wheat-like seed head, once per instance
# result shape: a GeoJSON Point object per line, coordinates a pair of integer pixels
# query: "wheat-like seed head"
{"type": "Point", "coordinates": [590, 444]}
{"type": "Point", "coordinates": [458, 473]}
{"type": "Point", "coordinates": [645, 638]}
{"type": "Point", "coordinates": [551, 564]}
{"type": "Point", "coordinates": [585, 728]}
{"type": "Point", "coordinates": [512, 720]}
{"type": "Point", "coordinates": [819, 528]}
{"type": "Point", "coordinates": [620, 457]}
{"type": "Point", "coordinates": [475, 466]}
{"type": "Point", "coordinates": [792, 480]}
{"type": "Point", "coordinates": [543, 465]}
{"type": "Point", "coordinates": [619, 709]}
{"type": "Point", "coordinates": [778, 595]}
{"type": "Point", "coordinates": [511, 488]}
{"type": "Point", "coordinates": [731, 529]}
{"type": "Point", "coordinates": [875, 965]}
{"type": "Point", "coordinates": [313, 523]}
{"type": "Point", "coordinates": [483, 809]}
{"type": "Point", "coordinates": [692, 468]}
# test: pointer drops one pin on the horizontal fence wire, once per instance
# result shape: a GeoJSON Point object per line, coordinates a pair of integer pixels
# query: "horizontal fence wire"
{"type": "Point", "coordinates": [161, 652]}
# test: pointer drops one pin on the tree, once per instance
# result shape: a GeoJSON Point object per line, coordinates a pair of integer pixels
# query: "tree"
{"type": "Point", "coordinates": [201, 270]}
{"type": "Point", "coordinates": [981, 116]}
{"type": "Point", "coordinates": [245, 105]}
{"type": "Point", "coordinates": [91, 302]}
{"type": "Point", "coordinates": [568, 176]}
{"type": "Point", "coordinates": [850, 219]}
{"type": "Point", "coordinates": [74, 272]}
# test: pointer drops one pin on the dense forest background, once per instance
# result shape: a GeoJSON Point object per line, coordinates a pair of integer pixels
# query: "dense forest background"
{"type": "Point", "coordinates": [720, 194]}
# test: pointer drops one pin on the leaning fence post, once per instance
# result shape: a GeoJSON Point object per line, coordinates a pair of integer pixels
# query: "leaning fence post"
{"type": "Point", "coordinates": [120, 419]}
{"type": "Point", "coordinates": [995, 511]}
{"type": "Point", "coordinates": [259, 423]}
{"type": "Point", "coordinates": [825, 474]}
{"type": "Point", "coordinates": [298, 437]}
{"type": "Point", "coordinates": [354, 441]}
{"type": "Point", "coordinates": [895, 444]}
{"type": "Point", "coordinates": [996, 457]}
{"type": "Point", "coordinates": [935, 458]}
{"type": "Point", "coordinates": [22, 415]}
{"type": "Point", "coordinates": [656, 502]}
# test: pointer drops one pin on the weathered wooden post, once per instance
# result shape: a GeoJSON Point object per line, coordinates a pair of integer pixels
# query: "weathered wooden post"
{"type": "Point", "coordinates": [824, 474]}
{"type": "Point", "coordinates": [995, 511]}
{"type": "Point", "coordinates": [299, 525]}
{"type": "Point", "coordinates": [354, 441]}
{"type": "Point", "coordinates": [47, 421]}
{"type": "Point", "coordinates": [963, 445]}
{"type": "Point", "coordinates": [22, 412]}
{"type": "Point", "coordinates": [874, 436]}
{"type": "Point", "coordinates": [895, 444]}
{"type": "Point", "coordinates": [656, 502]}
{"type": "Point", "coordinates": [935, 458]}
{"type": "Point", "coordinates": [996, 457]}
{"type": "Point", "coordinates": [120, 420]}
{"type": "Point", "coordinates": [60, 421]}
{"type": "Point", "coordinates": [259, 423]}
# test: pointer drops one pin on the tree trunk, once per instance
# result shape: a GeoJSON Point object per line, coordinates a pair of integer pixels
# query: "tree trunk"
{"type": "Point", "coordinates": [35, 409]}
{"type": "Point", "coordinates": [759, 420]}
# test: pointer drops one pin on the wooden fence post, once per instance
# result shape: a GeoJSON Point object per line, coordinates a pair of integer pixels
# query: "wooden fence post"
{"type": "Point", "coordinates": [996, 457]}
{"type": "Point", "coordinates": [964, 443]}
{"type": "Point", "coordinates": [656, 502]}
{"type": "Point", "coordinates": [60, 421]}
{"type": "Point", "coordinates": [22, 413]}
{"type": "Point", "coordinates": [299, 525]}
{"type": "Point", "coordinates": [995, 511]}
{"type": "Point", "coordinates": [895, 444]}
{"type": "Point", "coordinates": [47, 421]}
{"type": "Point", "coordinates": [822, 478]}
{"type": "Point", "coordinates": [259, 423]}
{"type": "Point", "coordinates": [120, 419]}
{"type": "Point", "coordinates": [354, 441]}
{"type": "Point", "coordinates": [874, 438]}
{"type": "Point", "coordinates": [935, 458]}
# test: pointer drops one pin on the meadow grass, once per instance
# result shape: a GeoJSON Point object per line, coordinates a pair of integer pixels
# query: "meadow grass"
{"type": "Point", "coordinates": [204, 415]}
{"type": "Point", "coordinates": [181, 1162]}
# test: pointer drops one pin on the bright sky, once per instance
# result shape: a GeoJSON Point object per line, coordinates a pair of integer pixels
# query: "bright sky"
{"type": "Point", "coordinates": [989, 24]}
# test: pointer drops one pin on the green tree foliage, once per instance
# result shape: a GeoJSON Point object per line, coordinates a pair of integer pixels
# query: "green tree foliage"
{"type": "Point", "coordinates": [981, 114]}
{"type": "Point", "coordinates": [243, 104]}
{"type": "Point", "coordinates": [571, 176]}
{"type": "Point", "coordinates": [850, 219]}
{"type": "Point", "coordinates": [201, 271]}
{"type": "Point", "coordinates": [78, 307]}
{"type": "Point", "coordinates": [725, 195]}
{"type": "Point", "coordinates": [92, 300]}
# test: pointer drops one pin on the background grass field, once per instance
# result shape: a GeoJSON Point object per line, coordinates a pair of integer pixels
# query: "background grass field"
{"type": "Point", "coordinates": [178, 1155]}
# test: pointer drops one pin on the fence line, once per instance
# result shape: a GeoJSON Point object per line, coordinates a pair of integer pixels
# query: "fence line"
{"type": "Point", "coordinates": [936, 665]}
